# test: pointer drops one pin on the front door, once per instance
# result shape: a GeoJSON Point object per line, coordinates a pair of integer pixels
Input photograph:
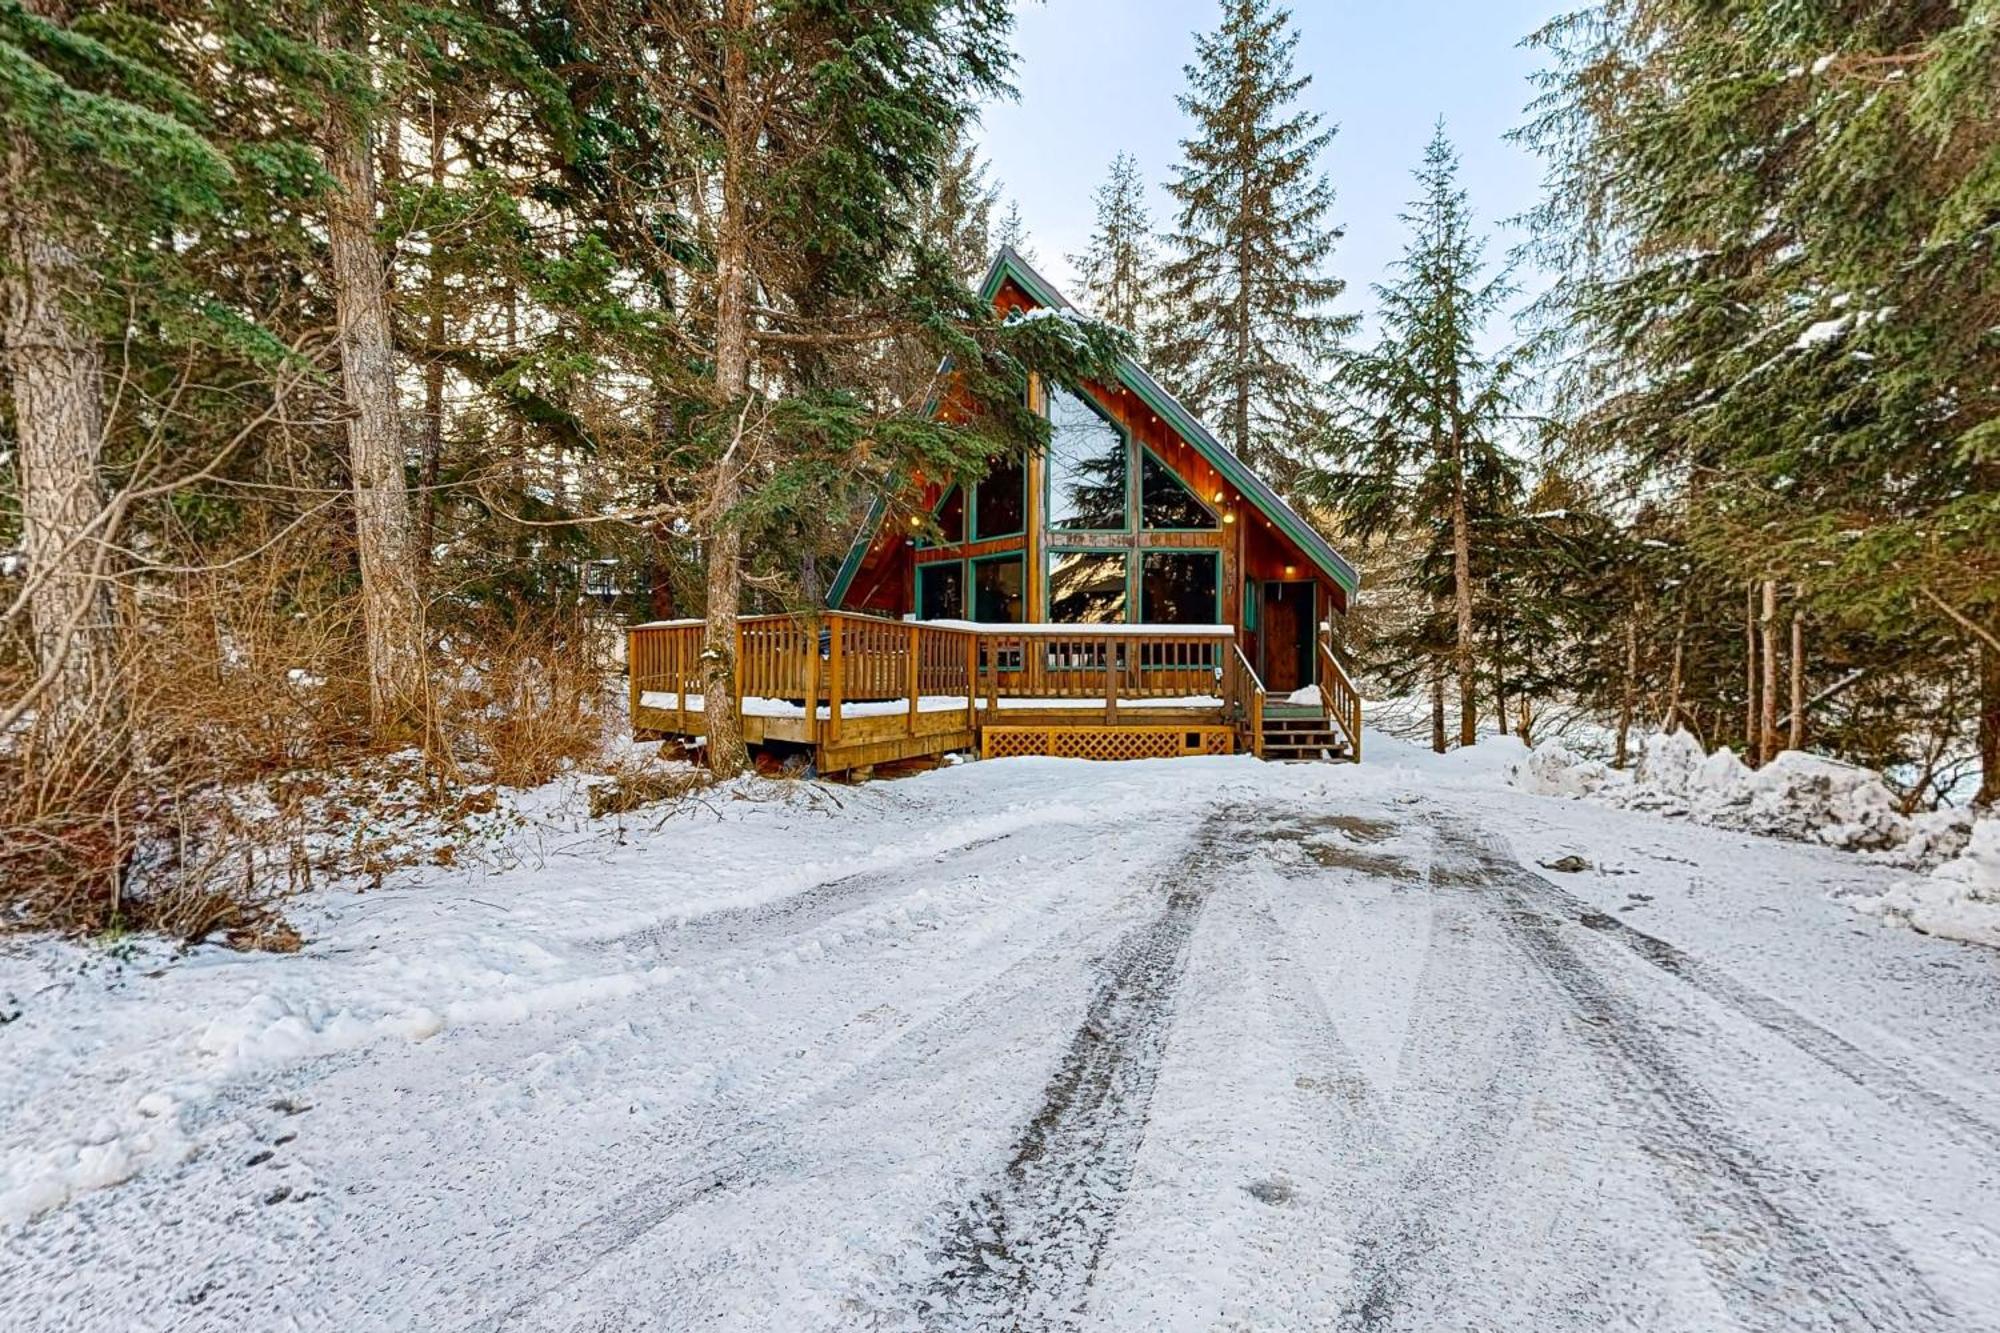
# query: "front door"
{"type": "Point", "coordinates": [1288, 636]}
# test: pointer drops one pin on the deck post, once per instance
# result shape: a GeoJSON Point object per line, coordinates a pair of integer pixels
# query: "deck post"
{"type": "Point", "coordinates": [680, 682]}
{"type": "Point", "coordinates": [1110, 682]}
{"type": "Point", "coordinates": [972, 682]}
{"type": "Point", "coordinates": [914, 677]}
{"type": "Point", "coordinates": [632, 677]}
{"type": "Point", "coordinates": [812, 681]}
{"type": "Point", "coordinates": [835, 683]}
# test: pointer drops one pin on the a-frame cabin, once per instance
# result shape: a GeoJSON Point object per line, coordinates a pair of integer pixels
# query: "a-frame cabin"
{"type": "Point", "coordinates": [1135, 590]}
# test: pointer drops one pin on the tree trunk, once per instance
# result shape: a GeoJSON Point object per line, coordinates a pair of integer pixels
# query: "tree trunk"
{"type": "Point", "coordinates": [1461, 578]}
{"type": "Point", "coordinates": [1989, 726]}
{"type": "Point", "coordinates": [1797, 740]}
{"type": "Point", "coordinates": [54, 374]}
{"type": "Point", "coordinates": [1750, 674]}
{"type": "Point", "coordinates": [434, 296]}
{"type": "Point", "coordinates": [1675, 675]}
{"type": "Point", "coordinates": [1767, 731]}
{"type": "Point", "coordinates": [1628, 692]}
{"type": "Point", "coordinates": [1499, 689]}
{"type": "Point", "coordinates": [1437, 710]}
{"type": "Point", "coordinates": [727, 755]}
{"type": "Point", "coordinates": [392, 612]}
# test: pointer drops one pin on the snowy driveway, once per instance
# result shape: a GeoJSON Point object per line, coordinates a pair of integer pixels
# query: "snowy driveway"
{"type": "Point", "coordinates": [1036, 1045]}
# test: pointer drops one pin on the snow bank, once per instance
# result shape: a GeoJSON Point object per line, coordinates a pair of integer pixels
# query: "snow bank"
{"type": "Point", "coordinates": [1552, 769]}
{"type": "Point", "coordinates": [1960, 899]}
{"type": "Point", "coordinates": [1801, 796]}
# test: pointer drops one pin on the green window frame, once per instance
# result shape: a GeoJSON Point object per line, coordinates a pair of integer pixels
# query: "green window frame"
{"type": "Point", "coordinates": [1020, 560]}
{"type": "Point", "coordinates": [1127, 445]}
{"type": "Point", "coordinates": [933, 568]}
{"type": "Point", "coordinates": [1147, 454]}
{"type": "Point", "coordinates": [1148, 554]}
{"type": "Point", "coordinates": [1055, 553]}
{"type": "Point", "coordinates": [973, 532]}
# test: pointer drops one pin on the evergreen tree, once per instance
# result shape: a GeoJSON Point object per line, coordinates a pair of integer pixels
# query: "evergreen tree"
{"type": "Point", "coordinates": [1012, 233]}
{"type": "Point", "coordinates": [955, 216]}
{"type": "Point", "coordinates": [1252, 331]}
{"type": "Point", "coordinates": [1773, 228]}
{"type": "Point", "coordinates": [1423, 442]}
{"type": "Point", "coordinates": [1120, 269]}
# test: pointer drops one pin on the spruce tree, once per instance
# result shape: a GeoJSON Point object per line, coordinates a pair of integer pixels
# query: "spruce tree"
{"type": "Point", "coordinates": [1012, 233]}
{"type": "Point", "coordinates": [1252, 330]}
{"type": "Point", "coordinates": [955, 216]}
{"type": "Point", "coordinates": [1422, 441]}
{"type": "Point", "coordinates": [1773, 229]}
{"type": "Point", "coordinates": [1119, 271]}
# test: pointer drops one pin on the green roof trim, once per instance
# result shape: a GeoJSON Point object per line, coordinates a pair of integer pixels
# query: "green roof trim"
{"type": "Point", "coordinates": [1009, 264]}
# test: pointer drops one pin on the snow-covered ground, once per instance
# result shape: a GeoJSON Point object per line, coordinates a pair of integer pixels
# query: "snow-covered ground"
{"type": "Point", "coordinates": [1187, 1044]}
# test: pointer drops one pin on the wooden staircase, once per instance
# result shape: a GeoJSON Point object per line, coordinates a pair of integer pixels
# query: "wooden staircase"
{"type": "Point", "coordinates": [1299, 735]}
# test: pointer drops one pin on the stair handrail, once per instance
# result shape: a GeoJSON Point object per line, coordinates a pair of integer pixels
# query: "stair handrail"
{"type": "Point", "coordinates": [1247, 694]}
{"type": "Point", "coordinates": [1338, 697]}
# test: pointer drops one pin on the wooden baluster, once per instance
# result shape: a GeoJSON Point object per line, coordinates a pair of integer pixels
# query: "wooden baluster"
{"type": "Point", "coordinates": [1110, 681]}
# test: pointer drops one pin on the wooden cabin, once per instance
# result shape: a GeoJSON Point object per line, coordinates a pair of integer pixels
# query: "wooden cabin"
{"type": "Point", "coordinates": [1133, 591]}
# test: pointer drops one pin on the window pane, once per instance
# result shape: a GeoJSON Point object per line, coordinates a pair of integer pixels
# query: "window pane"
{"type": "Point", "coordinates": [1086, 466]}
{"type": "Point", "coordinates": [1165, 501]}
{"type": "Point", "coordinates": [1087, 587]}
{"type": "Point", "coordinates": [1179, 588]}
{"type": "Point", "coordinates": [996, 590]}
{"type": "Point", "coordinates": [999, 503]}
{"type": "Point", "coordinates": [941, 591]}
{"type": "Point", "coordinates": [951, 517]}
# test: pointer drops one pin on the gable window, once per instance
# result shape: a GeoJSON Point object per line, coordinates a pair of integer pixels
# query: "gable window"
{"type": "Point", "coordinates": [1088, 466]}
{"type": "Point", "coordinates": [1165, 502]}
{"type": "Point", "coordinates": [1088, 587]}
{"type": "Point", "coordinates": [997, 589]}
{"type": "Point", "coordinates": [941, 590]}
{"type": "Point", "coordinates": [1181, 588]}
{"type": "Point", "coordinates": [1000, 501]}
{"type": "Point", "coordinates": [951, 517]}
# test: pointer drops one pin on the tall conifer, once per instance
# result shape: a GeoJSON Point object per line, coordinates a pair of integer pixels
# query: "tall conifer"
{"type": "Point", "coordinates": [1423, 441]}
{"type": "Point", "coordinates": [1253, 329]}
{"type": "Point", "coordinates": [1121, 268]}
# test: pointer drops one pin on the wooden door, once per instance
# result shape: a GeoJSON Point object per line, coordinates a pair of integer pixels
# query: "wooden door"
{"type": "Point", "coordinates": [1287, 636]}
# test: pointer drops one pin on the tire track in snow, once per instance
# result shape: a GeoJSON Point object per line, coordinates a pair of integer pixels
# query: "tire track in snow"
{"type": "Point", "coordinates": [1023, 1254]}
{"type": "Point", "coordinates": [1869, 1072]}
{"type": "Point", "coordinates": [1780, 1258]}
{"type": "Point", "coordinates": [752, 1147]}
{"type": "Point", "coordinates": [1464, 993]}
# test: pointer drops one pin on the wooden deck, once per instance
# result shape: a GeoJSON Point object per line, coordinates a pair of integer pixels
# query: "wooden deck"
{"type": "Point", "coordinates": [859, 690]}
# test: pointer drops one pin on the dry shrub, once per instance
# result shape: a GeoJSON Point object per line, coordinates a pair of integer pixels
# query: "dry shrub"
{"type": "Point", "coordinates": [632, 787]}
{"type": "Point", "coordinates": [523, 698]}
{"type": "Point", "coordinates": [244, 769]}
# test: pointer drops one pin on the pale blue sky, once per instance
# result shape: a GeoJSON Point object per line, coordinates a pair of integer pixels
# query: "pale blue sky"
{"type": "Point", "coordinates": [1097, 76]}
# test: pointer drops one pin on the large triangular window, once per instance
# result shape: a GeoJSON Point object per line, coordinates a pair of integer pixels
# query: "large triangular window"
{"type": "Point", "coordinates": [1165, 502]}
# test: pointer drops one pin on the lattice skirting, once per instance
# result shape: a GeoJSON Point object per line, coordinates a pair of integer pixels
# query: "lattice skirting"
{"type": "Point", "coordinates": [1105, 742]}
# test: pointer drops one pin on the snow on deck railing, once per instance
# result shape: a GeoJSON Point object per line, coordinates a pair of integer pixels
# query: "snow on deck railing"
{"type": "Point", "coordinates": [1050, 628]}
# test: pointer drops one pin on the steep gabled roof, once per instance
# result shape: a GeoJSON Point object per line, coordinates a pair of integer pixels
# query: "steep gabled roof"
{"type": "Point", "coordinates": [1007, 265]}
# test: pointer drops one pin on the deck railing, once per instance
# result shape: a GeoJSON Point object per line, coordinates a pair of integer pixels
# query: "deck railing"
{"type": "Point", "coordinates": [828, 664]}
{"type": "Point", "coordinates": [1247, 690]}
{"type": "Point", "coordinates": [1339, 697]}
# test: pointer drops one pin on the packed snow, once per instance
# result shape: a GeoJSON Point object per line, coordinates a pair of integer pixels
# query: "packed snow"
{"type": "Point", "coordinates": [1183, 1044]}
